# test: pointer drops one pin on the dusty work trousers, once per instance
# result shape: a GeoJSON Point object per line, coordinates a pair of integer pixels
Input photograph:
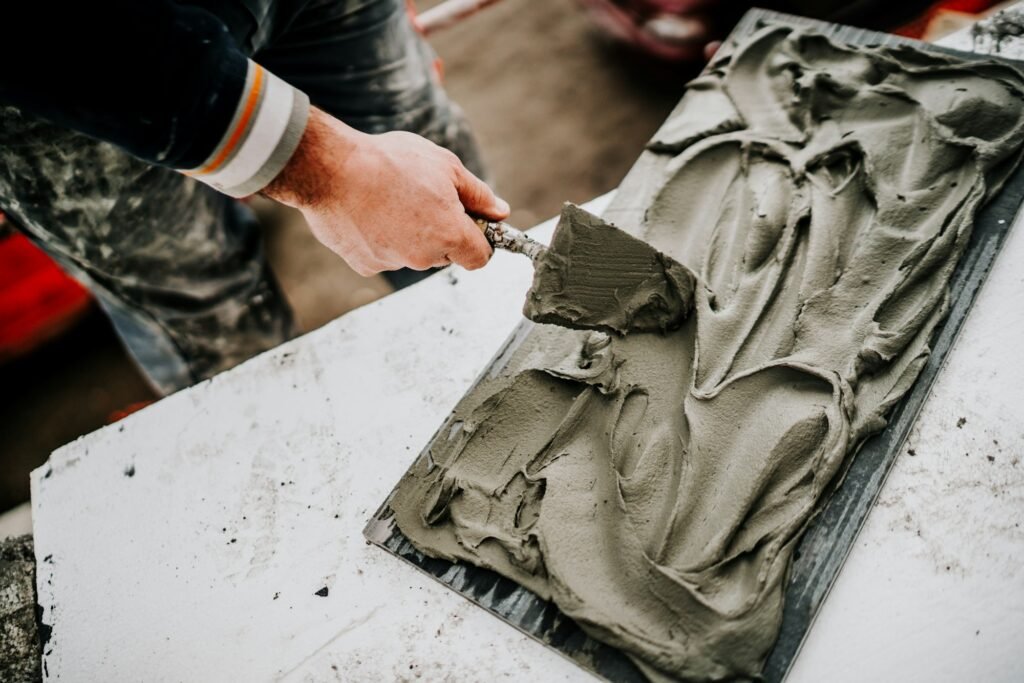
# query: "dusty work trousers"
{"type": "Point", "coordinates": [177, 266]}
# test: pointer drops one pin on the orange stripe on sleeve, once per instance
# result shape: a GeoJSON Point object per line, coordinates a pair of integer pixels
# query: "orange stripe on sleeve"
{"type": "Point", "coordinates": [243, 123]}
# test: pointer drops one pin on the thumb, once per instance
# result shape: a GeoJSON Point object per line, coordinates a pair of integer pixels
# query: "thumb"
{"type": "Point", "coordinates": [477, 198]}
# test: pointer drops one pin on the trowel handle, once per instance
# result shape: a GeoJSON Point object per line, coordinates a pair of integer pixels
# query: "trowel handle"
{"type": "Point", "coordinates": [504, 236]}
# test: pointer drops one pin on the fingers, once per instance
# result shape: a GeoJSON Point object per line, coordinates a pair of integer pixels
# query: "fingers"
{"type": "Point", "coordinates": [464, 244]}
{"type": "Point", "coordinates": [477, 198]}
{"type": "Point", "coordinates": [472, 250]}
{"type": "Point", "coordinates": [460, 241]}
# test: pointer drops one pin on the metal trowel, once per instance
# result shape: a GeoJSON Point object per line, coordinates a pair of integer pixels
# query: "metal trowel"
{"type": "Point", "coordinates": [501, 235]}
{"type": "Point", "coordinates": [596, 276]}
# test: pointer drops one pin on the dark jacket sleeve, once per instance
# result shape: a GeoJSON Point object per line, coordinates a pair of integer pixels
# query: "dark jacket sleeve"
{"type": "Point", "coordinates": [164, 81]}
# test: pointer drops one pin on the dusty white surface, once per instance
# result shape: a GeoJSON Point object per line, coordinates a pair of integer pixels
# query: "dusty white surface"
{"type": "Point", "coordinates": [248, 494]}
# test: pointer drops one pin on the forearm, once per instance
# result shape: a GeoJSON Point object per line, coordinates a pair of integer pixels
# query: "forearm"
{"type": "Point", "coordinates": [168, 83]}
{"type": "Point", "coordinates": [310, 177]}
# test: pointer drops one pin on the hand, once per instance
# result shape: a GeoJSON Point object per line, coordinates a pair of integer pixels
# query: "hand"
{"type": "Point", "coordinates": [389, 201]}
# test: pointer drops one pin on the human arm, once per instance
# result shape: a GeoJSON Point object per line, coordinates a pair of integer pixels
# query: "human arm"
{"type": "Point", "coordinates": [168, 83]}
{"type": "Point", "coordinates": [163, 81]}
{"type": "Point", "coordinates": [386, 201]}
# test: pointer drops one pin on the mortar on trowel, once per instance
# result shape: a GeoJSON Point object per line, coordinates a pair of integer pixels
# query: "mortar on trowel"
{"type": "Point", "coordinates": [596, 276]}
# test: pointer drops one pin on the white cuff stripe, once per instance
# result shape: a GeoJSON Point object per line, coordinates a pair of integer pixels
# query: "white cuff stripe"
{"type": "Point", "coordinates": [266, 129]}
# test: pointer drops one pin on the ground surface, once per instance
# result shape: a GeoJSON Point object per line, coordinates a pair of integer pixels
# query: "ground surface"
{"type": "Point", "coordinates": [19, 634]}
{"type": "Point", "coordinates": [561, 115]}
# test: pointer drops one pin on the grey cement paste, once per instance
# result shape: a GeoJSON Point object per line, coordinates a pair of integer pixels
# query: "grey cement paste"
{"type": "Point", "coordinates": [654, 484]}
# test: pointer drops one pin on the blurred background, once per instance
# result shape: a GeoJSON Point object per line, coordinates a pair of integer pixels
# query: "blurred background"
{"type": "Point", "coordinates": [562, 109]}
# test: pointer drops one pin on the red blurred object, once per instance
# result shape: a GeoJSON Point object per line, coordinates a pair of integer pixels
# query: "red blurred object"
{"type": "Point", "coordinates": [918, 27]}
{"type": "Point", "coordinates": [122, 413]}
{"type": "Point", "coordinates": [38, 301]}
